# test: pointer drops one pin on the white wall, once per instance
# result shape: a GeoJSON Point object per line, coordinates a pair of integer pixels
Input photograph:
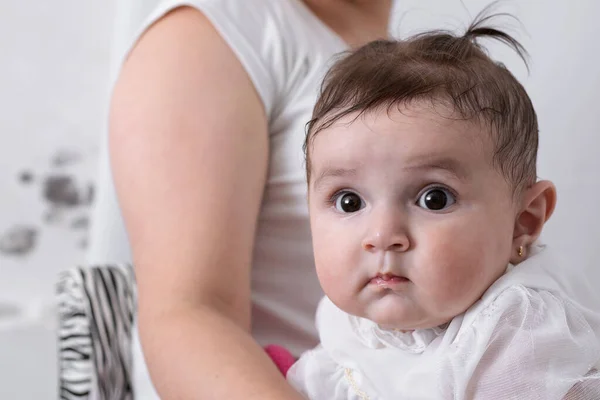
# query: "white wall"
{"type": "Point", "coordinates": [53, 96]}
{"type": "Point", "coordinates": [564, 84]}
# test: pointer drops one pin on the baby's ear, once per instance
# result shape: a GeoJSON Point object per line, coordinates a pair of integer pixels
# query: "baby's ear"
{"type": "Point", "coordinates": [537, 206]}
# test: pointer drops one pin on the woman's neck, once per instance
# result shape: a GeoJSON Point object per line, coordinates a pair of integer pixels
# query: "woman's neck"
{"type": "Point", "coordinates": [355, 21]}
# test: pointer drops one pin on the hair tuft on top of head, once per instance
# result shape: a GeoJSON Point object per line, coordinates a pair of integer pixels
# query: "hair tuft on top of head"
{"type": "Point", "coordinates": [480, 28]}
{"type": "Point", "coordinates": [441, 68]}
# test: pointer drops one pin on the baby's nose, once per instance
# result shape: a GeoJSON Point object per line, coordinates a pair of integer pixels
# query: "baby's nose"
{"type": "Point", "coordinates": [386, 236]}
{"type": "Point", "coordinates": [382, 242]}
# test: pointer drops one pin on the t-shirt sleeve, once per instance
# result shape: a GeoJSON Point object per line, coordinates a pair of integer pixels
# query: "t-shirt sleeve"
{"type": "Point", "coordinates": [246, 26]}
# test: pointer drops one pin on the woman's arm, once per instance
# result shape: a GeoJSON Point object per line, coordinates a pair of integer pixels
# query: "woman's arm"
{"type": "Point", "coordinates": [189, 151]}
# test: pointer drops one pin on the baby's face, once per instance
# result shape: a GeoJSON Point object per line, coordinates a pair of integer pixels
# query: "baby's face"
{"type": "Point", "coordinates": [411, 223]}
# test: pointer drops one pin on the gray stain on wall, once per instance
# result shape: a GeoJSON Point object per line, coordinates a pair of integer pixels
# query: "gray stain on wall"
{"type": "Point", "coordinates": [65, 157]}
{"type": "Point", "coordinates": [19, 240]}
{"type": "Point", "coordinates": [26, 177]}
{"type": "Point", "coordinates": [54, 216]}
{"type": "Point", "coordinates": [8, 310]}
{"type": "Point", "coordinates": [80, 223]}
{"type": "Point", "coordinates": [62, 191]}
{"type": "Point", "coordinates": [91, 191]}
{"type": "Point", "coordinates": [64, 195]}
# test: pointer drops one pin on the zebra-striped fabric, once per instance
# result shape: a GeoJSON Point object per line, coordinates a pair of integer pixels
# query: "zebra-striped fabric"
{"type": "Point", "coordinates": [96, 311]}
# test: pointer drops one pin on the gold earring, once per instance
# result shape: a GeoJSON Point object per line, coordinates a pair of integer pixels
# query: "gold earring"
{"type": "Point", "coordinates": [520, 251]}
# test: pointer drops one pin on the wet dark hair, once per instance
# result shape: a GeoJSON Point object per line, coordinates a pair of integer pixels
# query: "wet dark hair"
{"type": "Point", "coordinates": [441, 67]}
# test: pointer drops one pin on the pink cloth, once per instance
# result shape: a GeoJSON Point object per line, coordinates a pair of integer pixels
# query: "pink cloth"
{"type": "Point", "coordinates": [281, 357]}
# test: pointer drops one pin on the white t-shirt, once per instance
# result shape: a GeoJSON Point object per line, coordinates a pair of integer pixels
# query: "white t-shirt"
{"type": "Point", "coordinates": [285, 50]}
{"type": "Point", "coordinates": [527, 338]}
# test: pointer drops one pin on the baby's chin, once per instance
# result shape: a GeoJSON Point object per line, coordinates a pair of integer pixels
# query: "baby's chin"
{"type": "Point", "coordinates": [399, 313]}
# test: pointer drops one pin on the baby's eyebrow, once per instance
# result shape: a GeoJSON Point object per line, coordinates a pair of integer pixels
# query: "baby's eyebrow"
{"type": "Point", "coordinates": [448, 164]}
{"type": "Point", "coordinates": [330, 172]}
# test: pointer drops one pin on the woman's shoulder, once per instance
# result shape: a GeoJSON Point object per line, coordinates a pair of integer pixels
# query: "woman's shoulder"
{"type": "Point", "coordinates": [274, 40]}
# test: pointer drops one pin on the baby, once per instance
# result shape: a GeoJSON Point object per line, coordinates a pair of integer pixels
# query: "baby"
{"type": "Point", "coordinates": [425, 213]}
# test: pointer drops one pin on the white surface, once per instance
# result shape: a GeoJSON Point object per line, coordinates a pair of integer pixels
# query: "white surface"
{"type": "Point", "coordinates": [53, 76]}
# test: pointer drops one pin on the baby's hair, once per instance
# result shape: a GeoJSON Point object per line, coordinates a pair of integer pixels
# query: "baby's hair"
{"type": "Point", "coordinates": [440, 67]}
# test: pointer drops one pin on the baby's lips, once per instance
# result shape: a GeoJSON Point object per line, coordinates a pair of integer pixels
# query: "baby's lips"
{"type": "Point", "coordinates": [388, 280]}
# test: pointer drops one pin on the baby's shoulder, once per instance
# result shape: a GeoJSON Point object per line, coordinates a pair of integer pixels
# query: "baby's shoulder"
{"type": "Point", "coordinates": [518, 309]}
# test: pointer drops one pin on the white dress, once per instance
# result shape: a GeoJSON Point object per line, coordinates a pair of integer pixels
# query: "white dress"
{"type": "Point", "coordinates": [527, 338]}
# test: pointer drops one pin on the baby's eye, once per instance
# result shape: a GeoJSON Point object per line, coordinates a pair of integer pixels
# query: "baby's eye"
{"type": "Point", "coordinates": [348, 202]}
{"type": "Point", "coordinates": [436, 199]}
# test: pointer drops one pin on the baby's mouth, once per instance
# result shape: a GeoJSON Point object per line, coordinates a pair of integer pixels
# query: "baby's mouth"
{"type": "Point", "coordinates": [388, 280]}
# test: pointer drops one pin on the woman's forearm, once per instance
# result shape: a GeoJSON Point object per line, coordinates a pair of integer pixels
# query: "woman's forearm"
{"type": "Point", "coordinates": [201, 354]}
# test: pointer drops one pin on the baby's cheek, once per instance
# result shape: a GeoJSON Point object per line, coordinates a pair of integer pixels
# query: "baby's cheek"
{"type": "Point", "coordinates": [452, 269]}
{"type": "Point", "coordinates": [338, 287]}
{"type": "Point", "coordinates": [339, 275]}
{"type": "Point", "coordinates": [332, 271]}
